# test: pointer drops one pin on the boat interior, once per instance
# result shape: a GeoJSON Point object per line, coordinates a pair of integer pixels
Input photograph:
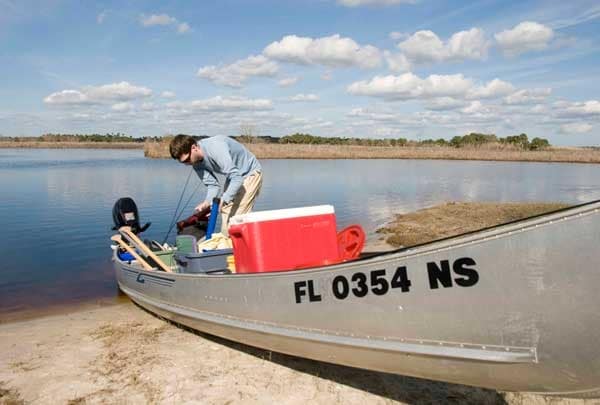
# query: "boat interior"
{"type": "Point", "coordinates": [184, 257]}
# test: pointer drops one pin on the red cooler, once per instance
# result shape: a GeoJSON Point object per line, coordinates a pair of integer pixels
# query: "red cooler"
{"type": "Point", "coordinates": [285, 239]}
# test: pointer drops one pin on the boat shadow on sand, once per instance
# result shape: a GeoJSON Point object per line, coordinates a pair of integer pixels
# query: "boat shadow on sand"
{"type": "Point", "coordinates": [405, 389]}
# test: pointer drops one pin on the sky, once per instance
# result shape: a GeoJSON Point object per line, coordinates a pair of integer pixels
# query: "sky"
{"type": "Point", "coordinates": [414, 69]}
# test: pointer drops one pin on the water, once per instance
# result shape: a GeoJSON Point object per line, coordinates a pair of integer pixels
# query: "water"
{"type": "Point", "coordinates": [55, 211]}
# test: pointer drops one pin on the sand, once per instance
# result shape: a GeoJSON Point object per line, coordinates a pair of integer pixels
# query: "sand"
{"type": "Point", "coordinates": [122, 354]}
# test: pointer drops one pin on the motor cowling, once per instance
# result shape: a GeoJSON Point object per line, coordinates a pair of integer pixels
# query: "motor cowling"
{"type": "Point", "coordinates": [125, 213]}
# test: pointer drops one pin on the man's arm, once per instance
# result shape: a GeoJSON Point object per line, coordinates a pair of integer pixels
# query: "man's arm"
{"type": "Point", "coordinates": [212, 185]}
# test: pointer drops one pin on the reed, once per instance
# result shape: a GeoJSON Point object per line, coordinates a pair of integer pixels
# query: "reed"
{"type": "Point", "coordinates": [71, 145]}
{"type": "Point", "coordinates": [493, 152]}
{"type": "Point", "coordinates": [454, 218]}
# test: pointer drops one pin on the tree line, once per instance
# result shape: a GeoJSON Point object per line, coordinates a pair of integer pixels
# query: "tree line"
{"type": "Point", "coordinates": [108, 137]}
{"type": "Point", "coordinates": [473, 139]}
{"type": "Point", "coordinates": [520, 141]}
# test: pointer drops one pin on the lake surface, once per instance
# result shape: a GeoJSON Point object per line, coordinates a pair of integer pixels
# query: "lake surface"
{"type": "Point", "coordinates": [56, 205]}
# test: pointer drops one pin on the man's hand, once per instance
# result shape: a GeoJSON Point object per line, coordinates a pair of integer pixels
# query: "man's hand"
{"type": "Point", "coordinates": [203, 206]}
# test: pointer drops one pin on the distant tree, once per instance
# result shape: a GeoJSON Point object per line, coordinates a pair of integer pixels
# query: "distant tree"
{"type": "Point", "coordinates": [248, 133]}
{"type": "Point", "coordinates": [520, 141]}
{"type": "Point", "coordinates": [539, 144]}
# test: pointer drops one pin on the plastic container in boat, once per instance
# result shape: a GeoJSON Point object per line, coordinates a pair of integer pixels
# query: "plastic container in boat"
{"type": "Point", "coordinates": [286, 239]}
{"type": "Point", "coordinates": [210, 261]}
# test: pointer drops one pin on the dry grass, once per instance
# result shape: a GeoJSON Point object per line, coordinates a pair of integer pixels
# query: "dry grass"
{"type": "Point", "coordinates": [489, 152]}
{"type": "Point", "coordinates": [127, 354]}
{"type": "Point", "coordinates": [158, 150]}
{"type": "Point", "coordinates": [72, 145]}
{"type": "Point", "coordinates": [492, 152]}
{"type": "Point", "coordinates": [9, 396]}
{"type": "Point", "coordinates": [456, 218]}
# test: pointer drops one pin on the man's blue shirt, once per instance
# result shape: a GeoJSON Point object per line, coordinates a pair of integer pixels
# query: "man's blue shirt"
{"type": "Point", "coordinates": [228, 157]}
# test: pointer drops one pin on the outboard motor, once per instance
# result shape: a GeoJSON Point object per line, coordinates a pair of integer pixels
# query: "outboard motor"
{"type": "Point", "coordinates": [125, 213]}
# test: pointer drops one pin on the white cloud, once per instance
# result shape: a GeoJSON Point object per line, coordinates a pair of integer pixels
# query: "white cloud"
{"type": "Point", "coordinates": [444, 103]}
{"type": "Point", "coordinates": [182, 28]}
{"type": "Point", "coordinates": [587, 108]}
{"type": "Point", "coordinates": [288, 81]}
{"type": "Point", "coordinates": [164, 20]}
{"type": "Point", "coordinates": [167, 94]}
{"type": "Point", "coordinates": [358, 3]}
{"type": "Point", "coordinates": [117, 91]}
{"type": "Point", "coordinates": [425, 46]}
{"type": "Point", "coordinates": [469, 44]}
{"type": "Point", "coordinates": [101, 17]}
{"type": "Point", "coordinates": [236, 74]}
{"type": "Point", "coordinates": [67, 97]}
{"type": "Point", "coordinates": [473, 108]}
{"type": "Point", "coordinates": [332, 51]}
{"type": "Point", "coordinates": [576, 128]}
{"type": "Point", "coordinates": [305, 97]}
{"type": "Point", "coordinates": [122, 107]}
{"type": "Point", "coordinates": [397, 63]}
{"type": "Point", "coordinates": [220, 103]}
{"type": "Point", "coordinates": [495, 88]}
{"type": "Point", "coordinates": [122, 91]}
{"type": "Point", "coordinates": [409, 86]}
{"type": "Point", "coordinates": [396, 35]}
{"type": "Point", "coordinates": [528, 96]}
{"type": "Point", "coordinates": [526, 36]}
{"type": "Point", "coordinates": [539, 109]}
{"type": "Point", "coordinates": [157, 19]}
{"type": "Point", "coordinates": [148, 106]}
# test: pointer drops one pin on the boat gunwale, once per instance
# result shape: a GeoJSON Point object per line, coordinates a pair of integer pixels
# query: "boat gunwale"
{"type": "Point", "coordinates": [449, 242]}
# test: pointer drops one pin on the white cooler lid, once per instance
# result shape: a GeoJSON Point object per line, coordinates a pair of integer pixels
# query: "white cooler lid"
{"type": "Point", "coordinates": [258, 216]}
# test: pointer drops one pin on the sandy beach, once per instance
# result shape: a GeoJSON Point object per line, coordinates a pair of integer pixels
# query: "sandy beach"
{"type": "Point", "coordinates": [120, 353]}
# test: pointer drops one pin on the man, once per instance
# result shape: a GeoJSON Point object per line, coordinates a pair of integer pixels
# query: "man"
{"type": "Point", "coordinates": [221, 155]}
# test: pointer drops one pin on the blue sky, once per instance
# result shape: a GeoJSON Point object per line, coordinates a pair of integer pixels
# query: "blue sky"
{"type": "Point", "coordinates": [352, 68]}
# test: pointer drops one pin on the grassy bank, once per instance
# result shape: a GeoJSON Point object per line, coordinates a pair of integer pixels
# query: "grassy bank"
{"type": "Point", "coordinates": [485, 152]}
{"type": "Point", "coordinates": [71, 145]}
{"type": "Point", "coordinates": [495, 152]}
{"type": "Point", "coordinates": [455, 218]}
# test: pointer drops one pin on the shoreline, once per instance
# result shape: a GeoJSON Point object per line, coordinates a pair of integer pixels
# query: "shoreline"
{"type": "Point", "coordinates": [155, 150]}
{"type": "Point", "coordinates": [412, 228]}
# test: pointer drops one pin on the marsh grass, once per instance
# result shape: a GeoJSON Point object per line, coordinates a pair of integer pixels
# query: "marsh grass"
{"type": "Point", "coordinates": [71, 145]}
{"type": "Point", "coordinates": [455, 218]}
{"type": "Point", "coordinates": [492, 152]}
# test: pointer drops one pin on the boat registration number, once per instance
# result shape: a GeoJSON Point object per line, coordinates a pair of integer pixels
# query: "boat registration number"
{"type": "Point", "coordinates": [461, 272]}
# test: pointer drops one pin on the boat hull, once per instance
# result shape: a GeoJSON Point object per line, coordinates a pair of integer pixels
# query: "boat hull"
{"type": "Point", "coordinates": [513, 307]}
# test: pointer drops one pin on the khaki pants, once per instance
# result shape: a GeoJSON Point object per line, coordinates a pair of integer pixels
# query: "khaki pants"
{"type": "Point", "coordinates": [243, 201]}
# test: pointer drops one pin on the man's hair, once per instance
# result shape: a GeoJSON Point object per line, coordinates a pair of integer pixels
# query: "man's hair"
{"type": "Point", "coordinates": [181, 145]}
